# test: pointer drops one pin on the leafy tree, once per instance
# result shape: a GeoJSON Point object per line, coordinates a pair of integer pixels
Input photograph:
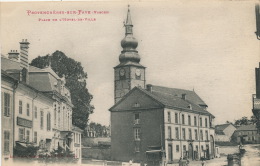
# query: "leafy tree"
{"type": "Point", "coordinates": [75, 81]}
{"type": "Point", "coordinates": [253, 119]}
{"type": "Point", "coordinates": [245, 121]}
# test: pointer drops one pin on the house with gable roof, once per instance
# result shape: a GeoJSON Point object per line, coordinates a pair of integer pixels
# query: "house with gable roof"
{"type": "Point", "coordinates": [154, 124]}
{"type": "Point", "coordinates": [148, 121]}
{"type": "Point", "coordinates": [224, 132]}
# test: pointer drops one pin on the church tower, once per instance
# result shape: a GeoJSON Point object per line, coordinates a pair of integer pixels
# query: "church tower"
{"type": "Point", "coordinates": [129, 73]}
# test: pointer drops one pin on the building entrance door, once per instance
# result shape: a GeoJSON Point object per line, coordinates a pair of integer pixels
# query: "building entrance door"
{"type": "Point", "coordinates": [212, 147]}
{"type": "Point", "coordinates": [190, 151]}
{"type": "Point", "coordinates": [170, 152]}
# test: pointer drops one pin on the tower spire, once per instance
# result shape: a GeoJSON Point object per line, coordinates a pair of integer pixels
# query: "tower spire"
{"type": "Point", "coordinates": [129, 43]}
{"type": "Point", "coordinates": [128, 24]}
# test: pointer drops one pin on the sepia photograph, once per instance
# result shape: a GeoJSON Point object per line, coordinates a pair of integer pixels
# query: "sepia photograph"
{"type": "Point", "coordinates": [130, 83]}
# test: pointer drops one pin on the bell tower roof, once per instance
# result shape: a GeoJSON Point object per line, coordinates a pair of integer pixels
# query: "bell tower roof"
{"type": "Point", "coordinates": [129, 43]}
{"type": "Point", "coordinates": [128, 18]}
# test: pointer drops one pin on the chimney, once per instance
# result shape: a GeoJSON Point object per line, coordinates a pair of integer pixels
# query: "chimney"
{"type": "Point", "coordinates": [183, 96]}
{"type": "Point", "coordinates": [13, 54]}
{"type": "Point", "coordinates": [149, 87]}
{"type": "Point", "coordinates": [24, 45]}
{"type": "Point", "coordinates": [24, 76]}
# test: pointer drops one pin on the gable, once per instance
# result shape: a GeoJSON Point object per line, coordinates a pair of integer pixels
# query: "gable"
{"type": "Point", "coordinates": [229, 130]}
{"type": "Point", "coordinates": [135, 100]}
{"type": "Point", "coordinates": [221, 127]}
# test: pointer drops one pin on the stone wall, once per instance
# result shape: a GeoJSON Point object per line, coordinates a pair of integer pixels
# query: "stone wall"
{"type": "Point", "coordinates": [96, 153]}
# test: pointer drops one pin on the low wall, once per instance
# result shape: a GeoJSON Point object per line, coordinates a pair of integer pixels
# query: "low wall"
{"type": "Point", "coordinates": [226, 143]}
{"type": "Point", "coordinates": [88, 142]}
{"type": "Point", "coordinates": [225, 150]}
{"type": "Point", "coordinates": [96, 153]}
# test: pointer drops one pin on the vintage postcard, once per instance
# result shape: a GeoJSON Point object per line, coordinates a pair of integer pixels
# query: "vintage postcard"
{"type": "Point", "coordinates": [131, 83]}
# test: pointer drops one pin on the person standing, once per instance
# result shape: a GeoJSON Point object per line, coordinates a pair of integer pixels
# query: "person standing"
{"type": "Point", "coordinates": [131, 162]}
{"type": "Point", "coordinates": [203, 162]}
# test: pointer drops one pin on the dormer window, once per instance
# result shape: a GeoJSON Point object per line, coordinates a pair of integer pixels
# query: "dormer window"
{"type": "Point", "coordinates": [136, 105]}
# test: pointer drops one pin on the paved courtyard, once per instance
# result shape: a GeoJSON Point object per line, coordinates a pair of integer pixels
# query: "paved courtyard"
{"type": "Point", "coordinates": [250, 158]}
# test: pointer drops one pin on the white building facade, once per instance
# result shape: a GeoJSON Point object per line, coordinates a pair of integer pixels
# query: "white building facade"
{"type": "Point", "coordinates": [39, 107]}
{"type": "Point", "coordinates": [188, 135]}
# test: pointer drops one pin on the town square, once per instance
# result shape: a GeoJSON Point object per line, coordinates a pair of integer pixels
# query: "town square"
{"type": "Point", "coordinates": [130, 83]}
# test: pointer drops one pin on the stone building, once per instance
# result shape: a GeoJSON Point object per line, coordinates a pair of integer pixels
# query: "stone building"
{"type": "Point", "coordinates": [224, 132]}
{"type": "Point", "coordinates": [8, 84]}
{"type": "Point", "coordinates": [155, 123]}
{"type": "Point", "coordinates": [246, 134]}
{"type": "Point", "coordinates": [38, 106]}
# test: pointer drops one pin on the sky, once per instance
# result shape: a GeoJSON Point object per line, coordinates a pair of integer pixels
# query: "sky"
{"type": "Point", "coordinates": [210, 47]}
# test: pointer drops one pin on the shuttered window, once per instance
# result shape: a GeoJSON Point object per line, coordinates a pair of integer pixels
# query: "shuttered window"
{"type": "Point", "coordinates": [7, 104]}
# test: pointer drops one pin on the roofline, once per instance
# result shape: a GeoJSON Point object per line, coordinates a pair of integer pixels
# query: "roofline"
{"type": "Point", "coordinates": [24, 84]}
{"type": "Point", "coordinates": [192, 111]}
{"type": "Point", "coordinates": [75, 128]}
{"type": "Point", "coordinates": [187, 110]}
{"type": "Point", "coordinates": [247, 130]}
{"type": "Point", "coordinates": [37, 91]}
{"type": "Point", "coordinates": [163, 105]}
{"type": "Point", "coordinates": [225, 124]}
{"type": "Point", "coordinates": [202, 104]}
{"type": "Point", "coordinates": [131, 91]}
{"type": "Point", "coordinates": [35, 72]}
{"type": "Point", "coordinates": [44, 71]}
{"type": "Point", "coordinates": [121, 110]}
{"type": "Point", "coordinates": [8, 75]}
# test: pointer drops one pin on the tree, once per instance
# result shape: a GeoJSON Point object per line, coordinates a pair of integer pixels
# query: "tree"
{"type": "Point", "coordinates": [253, 119]}
{"type": "Point", "coordinates": [245, 121]}
{"type": "Point", "coordinates": [242, 121]}
{"type": "Point", "coordinates": [75, 81]}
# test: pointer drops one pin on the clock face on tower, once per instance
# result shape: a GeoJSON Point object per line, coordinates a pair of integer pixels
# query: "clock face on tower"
{"type": "Point", "coordinates": [138, 72]}
{"type": "Point", "coordinates": [122, 72]}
